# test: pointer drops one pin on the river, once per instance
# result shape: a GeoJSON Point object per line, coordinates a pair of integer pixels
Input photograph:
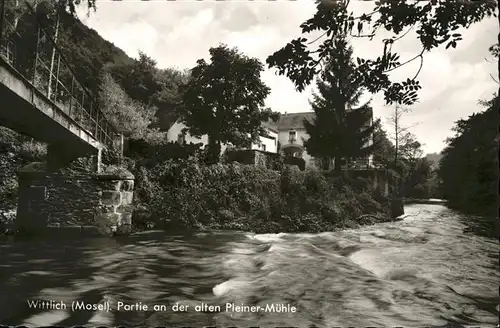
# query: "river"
{"type": "Point", "coordinates": [421, 271]}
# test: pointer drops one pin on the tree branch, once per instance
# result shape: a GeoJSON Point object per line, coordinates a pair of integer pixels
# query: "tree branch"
{"type": "Point", "coordinates": [406, 62]}
{"type": "Point", "coordinates": [367, 15]}
{"type": "Point", "coordinates": [404, 34]}
{"type": "Point", "coordinates": [319, 37]}
{"type": "Point", "coordinates": [362, 35]}
{"type": "Point", "coordinates": [420, 68]}
{"type": "Point", "coordinates": [409, 127]}
{"type": "Point", "coordinates": [494, 80]}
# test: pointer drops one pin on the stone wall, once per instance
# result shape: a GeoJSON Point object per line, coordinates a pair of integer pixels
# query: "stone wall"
{"type": "Point", "coordinates": [99, 203]}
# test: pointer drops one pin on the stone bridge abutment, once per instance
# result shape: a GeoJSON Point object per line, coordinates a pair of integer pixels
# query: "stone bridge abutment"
{"type": "Point", "coordinates": [61, 200]}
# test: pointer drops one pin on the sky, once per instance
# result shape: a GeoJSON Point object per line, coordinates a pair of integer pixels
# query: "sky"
{"type": "Point", "coordinates": [177, 33]}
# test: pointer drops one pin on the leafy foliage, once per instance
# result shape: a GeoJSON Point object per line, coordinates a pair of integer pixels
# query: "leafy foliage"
{"type": "Point", "coordinates": [91, 51]}
{"type": "Point", "coordinates": [224, 99]}
{"type": "Point", "coordinates": [129, 117]}
{"type": "Point", "coordinates": [417, 178]}
{"type": "Point", "coordinates": [383, 149]}
{"type": "Point", "coordinates": [15, 151]}
{"type": "Point", "coordinates": [71, 5]}
{"type": "Point", "coordinates": [435, 22]}
{"type": "Point", "coordinates": [144, 82]}
{"type": "Point", "coordinates": [339, 130]}
{"type": "Point", "coordinates": [184, 194]}
{"type": "Point", "coordinates": [412, 175]}
{"type": "Point", "coordinates": [469, 167]}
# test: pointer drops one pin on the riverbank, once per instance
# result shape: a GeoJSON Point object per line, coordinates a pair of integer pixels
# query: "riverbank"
{"type": "Point", "coordinates": [191, 197]}
{"type": "Point", "coordinates": [188, 196]}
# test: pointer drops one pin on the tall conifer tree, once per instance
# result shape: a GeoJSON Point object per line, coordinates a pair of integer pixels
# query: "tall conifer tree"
{"type": "Point", "coordinates": [342, 128]}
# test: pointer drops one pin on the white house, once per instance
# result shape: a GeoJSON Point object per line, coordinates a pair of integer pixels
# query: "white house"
{"type": "Point", "coordinates": [268, 143]}
{"type": "Point", "coordinates": [292, 134]}
{"type": "Point", "coordinates": [288, 134]}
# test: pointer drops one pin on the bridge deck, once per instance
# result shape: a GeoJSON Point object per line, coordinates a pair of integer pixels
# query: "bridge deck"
{"type": "Point", "coordinates": [23, 108]}
{"type": "Point", "coordinates": [40, 95]}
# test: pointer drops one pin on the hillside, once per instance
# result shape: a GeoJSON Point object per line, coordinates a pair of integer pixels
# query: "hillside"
{"type": "Point", "coordinates": [83, 45]}
{"type": "Point", "coordinates": [91, 57]}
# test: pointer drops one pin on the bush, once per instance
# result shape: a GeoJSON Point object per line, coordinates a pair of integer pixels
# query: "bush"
{"type": "Point", "coordinates": [16, 151]}
{"type": "Point", "coordinates": [269, 160]}
{"type": "Point", "coordinates": [300, 162]}
{"type": "Point", "coordinates": [162, 151]}
{"type": "Point", "coordinates": [184, 194]}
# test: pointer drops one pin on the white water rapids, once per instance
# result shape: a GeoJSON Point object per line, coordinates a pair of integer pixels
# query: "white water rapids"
{"type": "Point", "coordinates": [421, 271]}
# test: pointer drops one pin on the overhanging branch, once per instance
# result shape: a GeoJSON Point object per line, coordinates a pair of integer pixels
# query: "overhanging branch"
{"type": "Point", "coordinates": [406, 62]}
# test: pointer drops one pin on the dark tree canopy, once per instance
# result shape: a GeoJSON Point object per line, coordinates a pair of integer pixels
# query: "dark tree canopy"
{"type": "Point", "coordinates": [224, 99]}
{"type": "Point", "coordinates": [143, 81]}
{"type": "Point", "coordinates": [469, 166]}
{"type": "Point", "coordinates": [341, 129]}
{"type": "Point", "coordinates": [383, 149]}
{"type": "Point", "coordinates": [436, 22]}
{"type": "Point", "coordinates": [71, 5]}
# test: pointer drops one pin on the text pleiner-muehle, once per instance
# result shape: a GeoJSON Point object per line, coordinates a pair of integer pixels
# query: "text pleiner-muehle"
{"type": "Point", "coordinates": [176, 307]}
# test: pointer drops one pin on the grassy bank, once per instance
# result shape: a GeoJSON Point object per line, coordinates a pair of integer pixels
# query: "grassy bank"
{"type": "Point", "coordinates": [185, 195]}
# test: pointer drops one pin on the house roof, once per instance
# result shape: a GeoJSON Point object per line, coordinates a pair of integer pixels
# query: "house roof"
{"type": "Point", "coordinates": [289, 121]}
{"type": "Point", "coordinates": [271, 126]}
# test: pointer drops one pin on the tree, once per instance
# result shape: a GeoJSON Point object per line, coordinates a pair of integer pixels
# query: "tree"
{"type": "Point", "coordinates": [434, 159]}
{"type": "Point", "coordinates": [224, 99]}
{"type": "Point", "coordinates": [383, 148]}
{"type": "Point", "coordinates": [407, 161]}
{"type": "Point", "coordinates": [417, 179]}
{"type": "Point", "coordinates": [131, 118]}
{"type": "Point", "coordinates": [70, 5]}
{"type": "Point", "coordinates": [469, 167]}
{"type": "Point", "coordinates": [144, 82]}
{"type": "Point", "coordinates": [168, 99]}
{"type": "Point", "coordinates": [411, 174]}
{"type": "Point", "coordinates": [436, 22]}
{"type": "Point", "coordinates": [340, 130]}
{"type": "Point", "coordinates": [139, 78]}
{"type": "Point", "coordinates": [400, 136]}
{"type": "Point", "coordinates": [411, 151]}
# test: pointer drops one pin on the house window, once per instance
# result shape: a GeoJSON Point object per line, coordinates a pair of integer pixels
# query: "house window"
{"type": "Point", "coordinates": [181, 138]}
{"type": "Point", "coordinates": [264, 147]}
{"type": "Point", "coordinates": [291, 136]}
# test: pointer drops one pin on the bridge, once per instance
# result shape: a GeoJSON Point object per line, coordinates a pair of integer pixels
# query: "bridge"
{"type": "Point", "coordinates": [40, 94]}
{"type": "Point", "coordinates": [42, 97]}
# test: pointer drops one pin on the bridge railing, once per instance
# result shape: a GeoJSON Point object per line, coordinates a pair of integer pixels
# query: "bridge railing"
{"type": "Point", "coordinates": [28, 46]}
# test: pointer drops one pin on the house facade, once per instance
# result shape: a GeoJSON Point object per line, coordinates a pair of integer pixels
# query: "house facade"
{"type": "Point", "coordinates": [285, 136]}
{"type": "Point", "coordinates": [293, 134]}
{"type": "Point", "coordinates": [267, 143]}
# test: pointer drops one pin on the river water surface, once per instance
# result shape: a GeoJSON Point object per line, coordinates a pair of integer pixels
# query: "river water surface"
{"type": "Point", "coordinates": [421, 271]}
